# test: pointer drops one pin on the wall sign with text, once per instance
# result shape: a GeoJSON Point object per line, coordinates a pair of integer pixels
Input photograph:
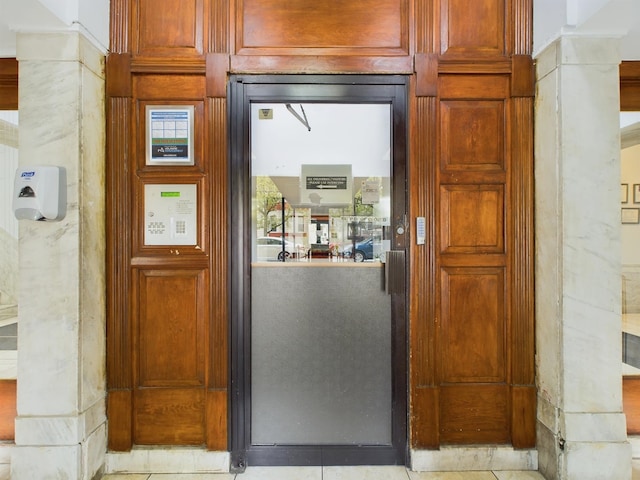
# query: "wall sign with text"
{"type": "Point", "coordinates": [170, 135]}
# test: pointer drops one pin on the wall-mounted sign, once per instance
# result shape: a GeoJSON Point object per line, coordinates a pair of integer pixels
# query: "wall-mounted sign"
{"type": "Point", "coordinates": [170, 135]}
{"type": "Point", "coordinates": [370, 192]}
{"type": "Point", "coordinates": [316, 182]}
{"type": "Point", "coordinates": [326, 185]}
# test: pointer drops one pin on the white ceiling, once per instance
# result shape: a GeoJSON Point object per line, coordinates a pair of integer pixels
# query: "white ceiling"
{"type": "Point", "coordinates": [551, 18]}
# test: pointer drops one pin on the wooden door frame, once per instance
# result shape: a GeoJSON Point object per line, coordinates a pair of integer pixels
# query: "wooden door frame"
{"type": "Point", "coordinates": [352, 89]}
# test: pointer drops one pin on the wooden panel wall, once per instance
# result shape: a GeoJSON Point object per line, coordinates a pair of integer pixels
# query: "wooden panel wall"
{"type": "Point", "coordinates": [7, 410]}
{"type": "Point", "coordinates": [470, 170]}
{"type": "Point", "coordinates": [8, 84]}
{"type": "Point", "coordinates": [630, 86]}
{"type": "Point", "coordinates": [167, 306]}
{"type": "Point", "coordinates": [471, 293]}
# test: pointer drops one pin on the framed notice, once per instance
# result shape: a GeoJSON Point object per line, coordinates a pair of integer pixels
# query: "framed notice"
{"type": "Point", "coordinates": [624, 193]}
{"type": "Point", "coordinates": [631, 215]}
{"type": "Point", "coordinates": [170, 135]}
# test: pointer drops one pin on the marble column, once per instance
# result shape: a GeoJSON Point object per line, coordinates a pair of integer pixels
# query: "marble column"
{"type": "Point", "coordinates": [581, 427]}
{"type": "Point", "coordinates": [61, 422]}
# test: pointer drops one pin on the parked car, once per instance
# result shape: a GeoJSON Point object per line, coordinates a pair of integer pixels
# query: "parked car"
{"type": "Point", "coordinates": [363, 251]}
{"type": "Point", "coordinates": [270, 248]}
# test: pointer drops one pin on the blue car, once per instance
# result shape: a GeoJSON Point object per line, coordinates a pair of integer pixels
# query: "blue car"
{"type": "Point", "coordinates": [362, 252]}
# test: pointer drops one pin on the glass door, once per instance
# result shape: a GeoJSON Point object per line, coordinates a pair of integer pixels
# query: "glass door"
{"type": "Point", "coordinates": [320, 320]}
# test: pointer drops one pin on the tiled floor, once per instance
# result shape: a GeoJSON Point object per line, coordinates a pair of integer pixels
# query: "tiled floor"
{"type": "Point", "coordinates": [334, 473]}
{"type": "Point", "coordinates": [344, 473]}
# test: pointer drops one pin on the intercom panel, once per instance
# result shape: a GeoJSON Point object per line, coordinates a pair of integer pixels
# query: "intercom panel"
{"type": "Point", "coordinates": [170, 214]}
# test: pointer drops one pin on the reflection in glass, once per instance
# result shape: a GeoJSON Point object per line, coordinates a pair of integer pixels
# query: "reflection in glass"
{"type": "Point", "coordinates": [8, 245]}
{"type": "Point", "coordinates": [630, 239]}
{"type": "Point", "coordinates": [320, 316]}
{"type": "Point", "coordinates": [324, 192]}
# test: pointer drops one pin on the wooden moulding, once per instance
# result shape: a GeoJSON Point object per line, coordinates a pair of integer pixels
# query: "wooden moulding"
{"type": "Point", "coordinates": [630, 86]}
{"type": "Point", "coordinates": [8, 84]}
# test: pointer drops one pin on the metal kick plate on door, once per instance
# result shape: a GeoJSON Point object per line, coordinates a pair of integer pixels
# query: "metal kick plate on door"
{"type": "Point", "coordinates": [394, 271]}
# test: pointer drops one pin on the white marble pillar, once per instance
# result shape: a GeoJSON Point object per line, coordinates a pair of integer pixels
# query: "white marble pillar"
{"type": "Point", "coordinates": [61, 423]}
{"type": "Point", "coordinates": [581, 427]}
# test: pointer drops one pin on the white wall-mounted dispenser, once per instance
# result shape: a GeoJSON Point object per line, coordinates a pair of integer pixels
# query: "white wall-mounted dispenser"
{"type": "Point", "coordinates": [40, 193]}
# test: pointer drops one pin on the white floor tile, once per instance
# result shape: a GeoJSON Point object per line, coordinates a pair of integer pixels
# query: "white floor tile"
{"type": "Point", "coordinates": [365, 473]}
{"type": "Point", "coordinates": [192, 476]}
{"type": "Point", "coordinates": [518, 475]}
{"type": "Point", "coordinates": [126, 476]}
{"type": "Point", "coordinates": [281, 473]}
{"type": "Point", "coordinates": [451, 476]}
{"type": "Point", "coordinates": [635, 469]}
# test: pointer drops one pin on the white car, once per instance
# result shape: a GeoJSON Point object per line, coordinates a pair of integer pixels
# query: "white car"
{"type": "Point", "coordinates": [270, 248]}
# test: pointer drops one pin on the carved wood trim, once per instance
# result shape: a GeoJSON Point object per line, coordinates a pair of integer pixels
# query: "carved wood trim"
{"type": "Point", "coordinates": [522, 243]}
{"type": "Point", "coordinates": [118, 242]}
{"type": "Point", "coordinates": [426, 33]}
{"type": "Point", "coordinates": [426, 66]}
{"type": "Point", "coordinates": [523, 416]}
{"type": "Point", "coordinates": [425, 418]}
{"type": "Point", "coordinates": [423, 203]}
{"type": "Point", "coordinates": [8, 411]}
{"type": "Point", "coordinates": [424, 398]}
{"type": "Point", "coordinates": [522, 27]}
{"type": "Point", "coordinates": [217, 70]}
{"type": "Point", "coordinates": [321, 64]}
{"type": "Point", "coordinates": [522, 76]}
{"type": "Point", "coordinates": [118, 75]}
{"type": "Point", "coordinates": [493, 66]}
{"type": "Point", "coordinates": [220, 26]}
{"type": "Point", "coordinates": [216, 420]}
{"type": "Point", "coordinates": [630, 86]}
{"type": "Point", "coordinates": [8, 84]}
{"type": "Point", "coordinates": [120, 414]}
{"type": "Point", "coordinates": [219, 239]}
{"type": "Point", "coordinates": [179, 65]}
{"type": "Point", "coordinates": [120, 19]}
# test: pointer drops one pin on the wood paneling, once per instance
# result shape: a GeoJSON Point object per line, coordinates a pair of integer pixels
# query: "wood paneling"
{"type": "Point", "coordinates": [8, 84]}
{"type": "Point", "coordinates": [477, 67]}
{"type": "Point", "coordinates": [368, 36]}
{"type": "Point", "coordinates": [630, 86]}
{"type": "Point", "coordinates": [7, 409]}
{"type": "Point", "coordinates": [468, 136]}
{"type": "Point", "coordinates": [425, 417]}
{"type": "Point", "coordinates": [168, 28]}
{"type": "Point", "coordinates": [472, 332]}
{"type": "Point", "coordinates": [216, 422]}
{"type": "Point", "coordinates": [173, 305]}
{"type": "Point", "coordinates": [471, 176]}
{"type": "Point", "coordinates": [166, 416]}
{"type": "Point", "coordinates": [120, 415]}
{"type": "Point", "coordinates": [477, 415]}
{"type": "Point", "coordinates": [472, 219]}
{"type": "Point", "coordinates": [473, 29]}
{"type": "Point", "coordinates": [631, 403]}
{"type": "Point", "coordinates": [271, 27]}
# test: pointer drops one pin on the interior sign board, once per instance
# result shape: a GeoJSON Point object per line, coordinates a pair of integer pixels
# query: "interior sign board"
{"type": "Point", "coordinates": [170, 135]}
{"type": "Point", "coordinates": [322, 183]}
{"type": "Point", "coordinates": [330, 185]}
{"type": "Point", "coordinates": [370, 192]}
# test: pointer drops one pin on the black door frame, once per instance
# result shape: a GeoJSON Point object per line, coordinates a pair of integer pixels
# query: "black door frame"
{"type": "Point", "coordinates": [243, 90]}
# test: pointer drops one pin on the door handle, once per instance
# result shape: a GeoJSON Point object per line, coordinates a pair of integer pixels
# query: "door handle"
{"type": "Point", "coordinates": [394, 272]}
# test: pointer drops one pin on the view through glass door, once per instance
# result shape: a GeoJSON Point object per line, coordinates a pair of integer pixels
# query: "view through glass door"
{"type": "Point", "coordinates": [326, 284]}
